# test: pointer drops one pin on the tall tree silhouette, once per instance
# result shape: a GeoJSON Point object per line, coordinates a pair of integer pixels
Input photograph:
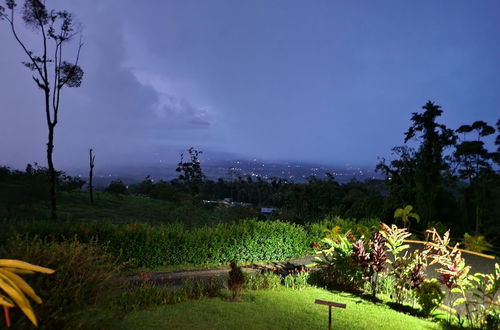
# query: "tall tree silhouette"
{"type": "Point", "coordinates": [51, 72]}
{"type": "Point", "coordinates": [475, 163]}
{"type": "Point", "coordinates": [430, 163]}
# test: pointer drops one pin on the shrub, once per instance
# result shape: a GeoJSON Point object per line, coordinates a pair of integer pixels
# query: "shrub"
{"type": "Point", "coordinates": [148, 294]}
{"type": "Point", "coordinates": [85, 276]}
{"type": "Point", "coordinates": [476, 243]}
{"type": "Point", "coordinates": [297, 281]}
{"type": "Point", "coordinates": [372, 261]}
{"type": "Point", "coordinates": [267, 280]}
{"type": "Point", "coordinates": [405, 214]}
{"type": "Point", "coordinates": [236, 279]}
{"type": "Point", "coordinates": [117, 187]}
{"type": "Point", "coordinates": [479, 294]}
{"type": "Point", "coordinates": [15, 288]}
{"type": "Point", "coordinates": [386, 285]}
{"type": "Point", "coordinates": [145, 295]}
{"type": "Point", "coordinates": [429, 296]}
{"type": "Point", "coordinates": [338, 268]}
{"type": "Point", "coordinates": [143, 245]}
{"type": "Point", "coordinates": [363, 227]}
{"type": "Point", "coordinates": [407, 270]}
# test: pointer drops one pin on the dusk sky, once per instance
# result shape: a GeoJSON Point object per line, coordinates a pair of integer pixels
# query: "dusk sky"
{"type": "Point", "coordinates": [332, 82]}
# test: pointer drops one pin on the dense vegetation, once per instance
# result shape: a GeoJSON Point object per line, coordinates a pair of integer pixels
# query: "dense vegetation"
{"type": "Point", "coordinates": [449, 176]}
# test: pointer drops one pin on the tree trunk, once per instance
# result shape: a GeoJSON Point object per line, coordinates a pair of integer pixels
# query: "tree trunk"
{"type": "Point", "coordinates": [91, 174]}
{"type": "Point", "coordinates": [52, 173]}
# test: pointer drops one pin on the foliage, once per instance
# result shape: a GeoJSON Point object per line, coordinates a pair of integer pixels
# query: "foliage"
{"type": "Point", "coordinates": [262, 281]}
{"type": "Point", "coordinates": [296, 281]}
{"type": "Point", "coordinates": [15, 288]}
{"type": "Point", "coordinates": [363, 227]}
{"type": "Point", "coordinates": [453, 269]}
{"type": "Point", "coordinates": [21, 192]}
{"type": "Point", "coordinates": [386, 285]}
{"type": "Point", "coordinates": [85, 275]}
{"type": "Point", "coordinates": [405, 214]}
{"type": "Point", "coordinates": [430, 166]}
{"type": "Point", "coordinates": [429, 296]}
{"type": "Point", "coordinates": [117, 187]}
{"type": "Point", "coordinates": [394, 238]}
{"type": "Point", "coordinates": [143, 245]}
{"type": "Point", "coordinates": [409, 273]}
{"type": "Point", "coordinates": [449, 175]}
{"type": "Point", "coordinates": [190, 171]}
{"type": "Point", "coordinates": [236, 279]}
{"type": "Point", "coordinates": [479, 294]}
{"type": "Point", "coordinates": [148, 294]}
{"type": "Point", "coordinates": [471, 156]}
{"type": "Point", "coordinates": [476, 243]}
{"type": "Point", "coordinates": [338, 268]}
{"type": "Point", "coordinates": [371, 261]}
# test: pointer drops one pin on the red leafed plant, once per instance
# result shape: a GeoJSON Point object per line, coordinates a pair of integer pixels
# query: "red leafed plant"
{"type": "Point", "coordinates": [373, 261]}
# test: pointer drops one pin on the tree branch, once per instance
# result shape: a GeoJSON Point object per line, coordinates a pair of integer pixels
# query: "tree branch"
{"type": "Point", "coordinates": [38, 82]}
{"type": "Point", "coordinates": [80, 44]}
{"type": "Point", "coordinates": [13, 28]}
{"type": "Point", "coordinates": [56, 76]}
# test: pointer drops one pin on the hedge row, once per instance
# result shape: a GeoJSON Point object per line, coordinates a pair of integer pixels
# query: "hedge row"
{"type": "Point", "coordinates": [143, 245]}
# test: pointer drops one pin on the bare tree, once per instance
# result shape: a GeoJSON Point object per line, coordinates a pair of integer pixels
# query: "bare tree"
{"type": "Point", "coordinates": [56, 30]}
{"type": "Point", "coordinates": [91, 175]}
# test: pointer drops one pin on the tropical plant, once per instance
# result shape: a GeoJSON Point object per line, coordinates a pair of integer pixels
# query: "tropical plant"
{"type": "Point", "coordinates": [334, 234]}
{"type": "Point", "coordinates": [338, 268]}
{"type": "Point", "coordinates": [87, 275]}
{"type": "Point", "coordinates": [409, 273]}
{"type": "Point", "coordinates": [453, 269]}
{"type": "Point", "coordinates": [407, 270]}
{"type": "Point", "coordinates": [406, 214]}
{"type": "Point", "coordinates": [476, 243]}
{"type": "Point", "coordinates": [479, 294]}
{"type": "Point", "coordinates": [260, 281]}
{"type": "Point", "coordinates": [373, 261]}
{"type": "Point", "coordinates": [15, 289]}
{"type": "Point", "coordinates": [429, 296]}
{"type": "Point", "coordinates": [394, 238]}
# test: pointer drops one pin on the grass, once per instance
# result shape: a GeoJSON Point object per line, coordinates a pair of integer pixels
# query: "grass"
{"type": "Point", "coordinates": [280, 309]}
{"type": "Point", "coordinates": [75, 206]}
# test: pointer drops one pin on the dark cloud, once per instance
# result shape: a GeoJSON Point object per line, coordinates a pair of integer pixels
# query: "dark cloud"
{"type": "Point", "coordinates": [323, 81]}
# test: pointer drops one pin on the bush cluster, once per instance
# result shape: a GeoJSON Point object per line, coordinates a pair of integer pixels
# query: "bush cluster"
{"type": "Point", "coordinates": [143, 245]}
{"type": "Point", "coordinates": [384, 265]}
{"type": "Point", "coordinates": [149, 294]}
{"type": "Point", "coordinates": [85, 277]}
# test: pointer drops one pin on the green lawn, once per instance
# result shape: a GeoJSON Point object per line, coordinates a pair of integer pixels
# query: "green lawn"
{"type": "Point", "coordinates": [280, 309]}
{"type": "Point", "coordinates": [75, 206]}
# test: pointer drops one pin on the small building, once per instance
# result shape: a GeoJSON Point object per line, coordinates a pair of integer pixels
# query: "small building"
{"type": "Point", "coordinates": [267, 210]}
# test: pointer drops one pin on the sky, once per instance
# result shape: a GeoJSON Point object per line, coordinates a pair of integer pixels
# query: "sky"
{"type": "Point", "coordinates": [332, 82]}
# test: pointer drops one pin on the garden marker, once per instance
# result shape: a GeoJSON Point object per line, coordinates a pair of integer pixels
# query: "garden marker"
{"type": "Point", "coordinates": [329, 304]}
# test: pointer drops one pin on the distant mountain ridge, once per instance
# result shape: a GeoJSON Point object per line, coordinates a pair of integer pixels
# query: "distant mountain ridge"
{"type": "Point", "coordinates": [232, 170]}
